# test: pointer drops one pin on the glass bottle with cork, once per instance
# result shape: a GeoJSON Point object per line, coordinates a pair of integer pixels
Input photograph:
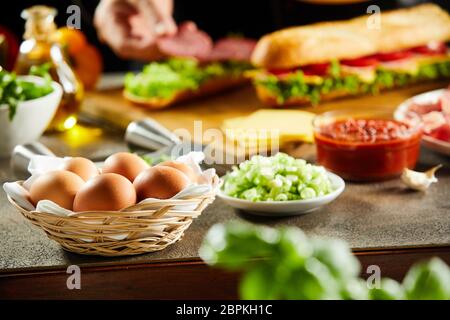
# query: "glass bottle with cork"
{"type": "Point", "coordinates": [40, 47]}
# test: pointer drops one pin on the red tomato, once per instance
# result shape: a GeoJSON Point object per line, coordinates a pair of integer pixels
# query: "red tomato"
{"type": "Point", "coordinates": [393, 56]}
{"type": "Point", "coordinates": [317, 69]}
{"type": "Point", "coordinates": [361, 62]}
{"type": "Point", "coordinates": [432, 48]}
{"type": "Point", "coordinates": [12, 46]}
{"type": "Point", "coordinates": [281, 72]}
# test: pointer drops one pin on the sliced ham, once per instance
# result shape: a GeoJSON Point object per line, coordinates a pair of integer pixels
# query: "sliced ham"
{"type": "Point", "coordinates": [422, 109]}
{"type": "Point", "coordinates": [433, 120]}
{"type": "Point", "coordinates": [435, 117]}
{"type": "Point", "coordinates": [445, 102]}
{"type": "Point", "coordinates": [442, 133]}
{"type": "Point", "coordinates": [232, 48]}
{"type": "Point", "coordinates": [188, 42]}
{"type": "Point", "coordinates": [192, 42]}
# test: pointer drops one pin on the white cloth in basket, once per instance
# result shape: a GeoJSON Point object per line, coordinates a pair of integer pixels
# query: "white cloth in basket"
{"type": "Point", "coordinates": [42, 164]}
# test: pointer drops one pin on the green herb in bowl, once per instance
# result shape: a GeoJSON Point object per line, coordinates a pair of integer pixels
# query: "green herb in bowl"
{"type": "Point", "coordinates": [14, 90]}
{"type": "Point", "coordinates": [277, 178]}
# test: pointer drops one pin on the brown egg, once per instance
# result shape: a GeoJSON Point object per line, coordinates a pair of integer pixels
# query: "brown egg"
{"type": "Point", "coordinates": [160, 182]}
{"type": "Point", "coordinates": [106, 192]}
{"type": "Point", "coordinates": [126, 164]}
{"type": "Point", "coordinates": [58, 186]}
{"type": "Point", "coordinates": [188, 171]}
{"type": "Point", "coordinates": [83, 167]}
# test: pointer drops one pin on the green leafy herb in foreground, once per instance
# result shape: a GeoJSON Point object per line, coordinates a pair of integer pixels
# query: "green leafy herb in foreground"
{"type": "Point", "coordinates": [277, 178]}
{"type": "Point", "coordinates": [285, 264]}
{"type": "Point", "coordinates": [14, 90]}
{"type": "Point", "coordinates": [165, 78]}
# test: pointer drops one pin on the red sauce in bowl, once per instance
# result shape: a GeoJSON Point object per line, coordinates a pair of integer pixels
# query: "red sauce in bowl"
{"type": "Point", "coordinates": [367, 149]}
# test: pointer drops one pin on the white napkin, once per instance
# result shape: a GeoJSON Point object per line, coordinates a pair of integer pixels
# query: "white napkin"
{"type": "Point", "coordinates": [42, 164]}
{"type": "Point", "coordinates": [19, 194]}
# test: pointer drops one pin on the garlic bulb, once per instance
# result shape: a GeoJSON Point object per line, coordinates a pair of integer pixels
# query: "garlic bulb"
{"type": "Point", "coordinates": [419, 180]}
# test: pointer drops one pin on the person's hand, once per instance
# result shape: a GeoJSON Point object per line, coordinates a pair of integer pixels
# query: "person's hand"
{"type": "Point", "coordinates": [131, 27]}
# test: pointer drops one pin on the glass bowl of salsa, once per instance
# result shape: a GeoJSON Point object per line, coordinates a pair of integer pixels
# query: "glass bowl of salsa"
{"type": "Point", "coordinates": [367, 144]}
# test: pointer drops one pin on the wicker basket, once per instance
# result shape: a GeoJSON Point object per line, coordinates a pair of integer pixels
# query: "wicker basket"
{"type": "Point", "coordinates": [139, 229]}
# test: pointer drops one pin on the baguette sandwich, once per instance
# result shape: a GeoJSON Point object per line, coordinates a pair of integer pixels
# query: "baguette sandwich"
{"type": "Point", "coordinates": [195, 67]}
{"type": "Point", "coordinates": [164, 83]}
{"type": "Point", "coordinates": [324, 61]}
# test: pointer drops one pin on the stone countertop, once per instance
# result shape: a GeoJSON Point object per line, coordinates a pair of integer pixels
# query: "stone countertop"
{"type": "Point", "coordinates": [368, 215]}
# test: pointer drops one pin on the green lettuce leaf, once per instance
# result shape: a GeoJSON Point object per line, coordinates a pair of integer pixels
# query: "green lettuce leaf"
{"type": "Point", "coordinates": [163, 79]}
{"type": "Point", "coordinates": [294, 85]}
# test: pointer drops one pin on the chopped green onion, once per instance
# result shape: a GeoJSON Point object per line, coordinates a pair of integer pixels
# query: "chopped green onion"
{"type": "Point", "coordinates": [277, 178]}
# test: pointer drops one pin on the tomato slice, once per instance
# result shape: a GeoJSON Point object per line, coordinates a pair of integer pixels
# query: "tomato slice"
{"type": "Point", "coordinates": [361, 62]}
{"type": "Point", "coordinates": [393, 56]}
{"type": "Point", "coordinates": [317, 69]}
{"type": "Point", "coordinates": [431, 49]}
{"type": "Point", "coordinates": [281, 72]}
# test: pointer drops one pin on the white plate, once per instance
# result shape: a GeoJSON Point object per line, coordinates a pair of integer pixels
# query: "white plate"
{"type": "Point", "coordinates": [286, 208]}
{"type": "Point", "coordinates": [440, 146]}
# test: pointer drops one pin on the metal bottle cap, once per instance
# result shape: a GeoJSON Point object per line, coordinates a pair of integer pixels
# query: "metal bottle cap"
{"type": "Point", "coordinates": [149, 134]}
{"type": "Point", "coordinates": [22, 154]}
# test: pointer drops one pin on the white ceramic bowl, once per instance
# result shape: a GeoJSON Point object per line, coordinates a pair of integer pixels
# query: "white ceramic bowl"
{"type": "Point", "coordinates": [31, 119]}
{"type": "Point", "coordinates": [287, 208]}
{"type": "Point", "coordinates": [431, 143]}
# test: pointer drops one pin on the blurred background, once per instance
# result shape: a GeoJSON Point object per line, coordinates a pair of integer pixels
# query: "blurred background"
{"type": "Point", "coordinates": [218, 18]}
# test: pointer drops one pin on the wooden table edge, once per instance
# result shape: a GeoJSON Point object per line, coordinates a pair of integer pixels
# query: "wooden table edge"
{"type": "Point", "coordinates": [188, 279]}
{"type": "Point", "coordinates": [117, 265]}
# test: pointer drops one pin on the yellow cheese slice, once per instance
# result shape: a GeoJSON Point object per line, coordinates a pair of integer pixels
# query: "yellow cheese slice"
{"type": "Point", "coordinates": [408, 66]}
{"type": "Point", "coordinates": [412, 65]}
{"type": "Point", "coordinates": [266, 125]}
{"type": "Point", "coordinates": [365, 74]}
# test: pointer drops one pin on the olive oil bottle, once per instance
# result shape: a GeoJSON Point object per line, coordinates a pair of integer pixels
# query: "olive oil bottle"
{"type": "Point", "coordinates": [41, 47]}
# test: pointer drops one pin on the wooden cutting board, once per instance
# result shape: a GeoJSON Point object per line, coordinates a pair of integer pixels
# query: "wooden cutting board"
{"type": "Point", "coordinates": [111, 106]}
{"type": "Point", "coordinates": [211, 111]}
